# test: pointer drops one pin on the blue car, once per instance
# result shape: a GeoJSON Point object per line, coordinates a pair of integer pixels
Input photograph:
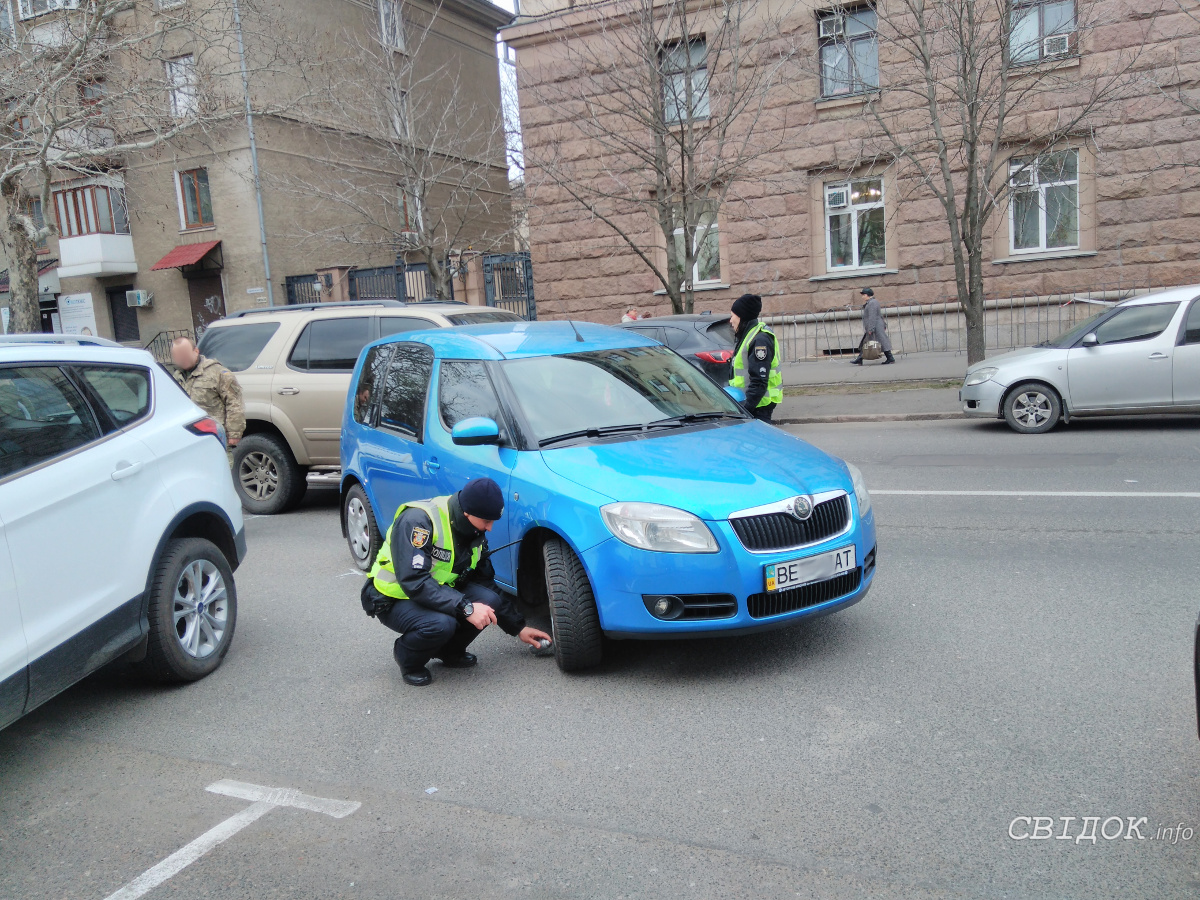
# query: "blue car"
{"type": "Point", "coordinates": [642, 501]}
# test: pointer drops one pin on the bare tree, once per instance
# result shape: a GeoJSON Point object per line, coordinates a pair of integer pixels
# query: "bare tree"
{"type": "Point", "coordinates": [437, 186]}
{"type": "Point", "coordinates": [975, 100]}
{"type": "Point", "coordinates": [667, 98]}
{"type": "Point", "coordinates": [87, 89]}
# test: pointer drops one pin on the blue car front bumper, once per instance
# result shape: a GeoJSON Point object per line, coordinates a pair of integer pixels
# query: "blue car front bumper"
{"type": "Point", "coordinates": [622, 576]}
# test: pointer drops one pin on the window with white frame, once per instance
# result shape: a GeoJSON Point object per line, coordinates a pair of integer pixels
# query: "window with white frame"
{"type": "Point", "coordinates": [7, 35]}
{"type": "Point", "coordinates": [854, 224]}
{"type": "Point", "coordinates": [411, 214]}
{"type": "Point", "coordinates": [849, 52]}
{"type": "Point", "coordinates": [32, 8]}
{"type": "Point", "coordinates": [1041, 29]}
{"type": "Point", "coordinates": [398, 109]}
{"type": "Point", "coordinates": [685, 81]}
{"type": "Point", "coordinates": [391, 24]}
{"type": "Point", "coordinates": [34, 208]}
{"type": "Point", "coordinates": [1044, 206]}
{"type": "Point", "coordinates": [706, 245]}
{"type": "Point", "coordinates": [181, 83]}
{"type": "Point", "coordinates": [91, 209]}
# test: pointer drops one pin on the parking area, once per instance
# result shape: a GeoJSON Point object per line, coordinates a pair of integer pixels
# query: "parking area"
{"type": "Point", "coordinates": [1025, 654]}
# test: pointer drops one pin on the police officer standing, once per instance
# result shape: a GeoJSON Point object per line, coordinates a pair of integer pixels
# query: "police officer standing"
{"type": "Point", "coordinates": [756, 358]}
{"type": "Point", "coordinates": [433, 582]}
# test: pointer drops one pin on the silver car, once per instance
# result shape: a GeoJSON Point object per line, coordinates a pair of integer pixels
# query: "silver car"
{"type": "Point", "coordinates": [1140, 356]}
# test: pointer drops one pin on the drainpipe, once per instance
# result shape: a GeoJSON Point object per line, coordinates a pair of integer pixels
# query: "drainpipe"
{"type": "Point", "coordinates": [262, 224]}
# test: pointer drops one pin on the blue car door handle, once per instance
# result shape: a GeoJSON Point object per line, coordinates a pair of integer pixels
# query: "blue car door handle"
{"type": "Point", "coordinates": [432, 465]}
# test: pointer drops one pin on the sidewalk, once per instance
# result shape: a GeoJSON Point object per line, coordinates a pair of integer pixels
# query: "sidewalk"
{"type": "Point", "coordinates": [869, 404]}
{"type": "Point", "coordinates": [910, 367]}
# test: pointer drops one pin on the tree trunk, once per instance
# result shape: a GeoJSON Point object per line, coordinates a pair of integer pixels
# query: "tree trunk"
{"type": "Point", "coordinates": [973, 309]}
{"type": "Point", "coordinates": [440, 276]}
{"type": "Point", "coordinates": [24, 314]}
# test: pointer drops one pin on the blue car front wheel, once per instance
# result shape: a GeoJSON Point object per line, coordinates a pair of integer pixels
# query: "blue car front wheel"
{"type": "Point", "coordinates": [578, 640]}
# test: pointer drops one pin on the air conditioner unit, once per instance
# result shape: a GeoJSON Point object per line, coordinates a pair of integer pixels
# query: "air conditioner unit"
{"type": "Point", "coordinates": [837, 198]}
{"type": "Point", "coordinates": [1056, 45]}
{"type": "Point", "coordinates": [138, 298]}
{"type": "Point", "coordinates": [408, 240]}
{"type": "Point", "coordinates": [832, 26]}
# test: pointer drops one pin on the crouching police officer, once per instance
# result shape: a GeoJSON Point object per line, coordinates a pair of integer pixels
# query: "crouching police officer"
{"type": "Point", "coordinates": [433, 581]}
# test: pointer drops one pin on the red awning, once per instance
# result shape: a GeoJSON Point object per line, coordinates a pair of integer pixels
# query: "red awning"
{"type": "Point", "coordinates": [184, 255]}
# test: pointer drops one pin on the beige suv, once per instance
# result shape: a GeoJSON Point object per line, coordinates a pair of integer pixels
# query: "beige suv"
{"type": "Point", "coordinates": [294, 365]}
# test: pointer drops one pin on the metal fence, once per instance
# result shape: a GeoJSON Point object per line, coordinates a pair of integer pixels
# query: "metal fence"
{"type": "Point", "coordinates": [1011, 322]}
{"type": "Point", "coordinates": [160, 345]}
{"type": "Point", "coordinates": [508, 283]}
{"type": "Point", "coordinates": [399, 282]}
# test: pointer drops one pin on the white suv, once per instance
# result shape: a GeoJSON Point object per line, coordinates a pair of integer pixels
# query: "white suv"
{"type": "Point", "coordinates": [119, 525]}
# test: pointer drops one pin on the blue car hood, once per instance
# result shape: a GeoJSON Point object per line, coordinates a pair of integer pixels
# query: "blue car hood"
{"type": "Point", "coordinates": [711, 472]}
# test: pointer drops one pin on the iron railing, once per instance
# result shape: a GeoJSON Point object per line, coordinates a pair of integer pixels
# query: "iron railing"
{"type": "Point", "coordinates": [160, 345]}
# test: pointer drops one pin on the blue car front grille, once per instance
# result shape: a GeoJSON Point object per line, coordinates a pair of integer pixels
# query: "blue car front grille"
{"type": "Point", "coordinates": [781, 531]}
{"type": "Point", "coordinates": [762, 605]}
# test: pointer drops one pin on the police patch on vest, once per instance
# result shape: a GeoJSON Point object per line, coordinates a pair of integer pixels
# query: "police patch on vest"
{"type": "Point", "coordinates": [440, 553]}
{"type": "Point", "coordinates": [760, 353]}
{"type": "Point", "coordinates": [420, 537]}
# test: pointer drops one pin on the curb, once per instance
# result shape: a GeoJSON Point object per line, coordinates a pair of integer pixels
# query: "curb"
{"type": "Point", "coordinates": [878, 417]}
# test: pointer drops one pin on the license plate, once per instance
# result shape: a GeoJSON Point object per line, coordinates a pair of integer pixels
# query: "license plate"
{"type": "Point", "coordinates": [799, 572]}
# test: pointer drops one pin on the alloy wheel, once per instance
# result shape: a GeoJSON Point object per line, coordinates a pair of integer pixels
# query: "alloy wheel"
{"type": "Point", "coordinates": [1032, 408]}
{"type": "Point", "coordinates": [358, 529]}
{"type": "Point", "coordinates": [201, 608]}
{"type": "Point", "coordinates": [258, 475]}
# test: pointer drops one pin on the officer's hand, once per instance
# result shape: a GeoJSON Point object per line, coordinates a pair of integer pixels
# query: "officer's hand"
{"type": "Point", "coordinates": [482, 616]}
{"type": "Point", "coordinates": [532, 636]}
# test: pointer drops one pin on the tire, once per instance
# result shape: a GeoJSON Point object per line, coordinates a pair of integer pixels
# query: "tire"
{"type": "Point", "coordinates": [574, 621]}
{"type": "Point", "coordinates": [186, 643]}
{"type": "Point", "coordinates": [362, 534]}
{"type": "Point", "coordinates": [1032, 408]}
{"type": "Point", "coordinates": [266, 475]}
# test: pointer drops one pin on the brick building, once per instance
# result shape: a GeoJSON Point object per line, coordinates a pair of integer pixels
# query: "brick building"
{"type": "Point", "coordinates": [1116, 204]}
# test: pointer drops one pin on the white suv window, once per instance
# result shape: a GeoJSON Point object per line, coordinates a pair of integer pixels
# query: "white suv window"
{"type": "Point", "coordinates": [389, 325]}
{"type": "Point", "coordinates": [124, 391]}
{"type": "Point", "coordinates": [42, 416]}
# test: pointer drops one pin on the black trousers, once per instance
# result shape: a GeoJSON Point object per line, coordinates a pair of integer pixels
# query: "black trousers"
{"type": "Point", "coordinates": [426, 633]}
{"type": "Point", "coordinates": [764, 413]}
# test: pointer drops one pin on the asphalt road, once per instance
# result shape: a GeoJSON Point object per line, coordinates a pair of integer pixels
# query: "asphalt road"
{"type": "Point", "coordinates": [1018, 657]}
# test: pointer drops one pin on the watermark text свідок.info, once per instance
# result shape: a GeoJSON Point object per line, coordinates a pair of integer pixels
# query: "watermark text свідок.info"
{"type": "Point", "coordinates": [1090, 829]}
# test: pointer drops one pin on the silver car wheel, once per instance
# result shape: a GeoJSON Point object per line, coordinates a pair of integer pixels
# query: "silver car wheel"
{"type": "Point", "coordinates": [201, 608]}
{"type": "Point", "coordinates": [358, 529]}
{"type": "Point", "coordinates": [259, 475]}
{"type": "Point", "coordinates": [1032, 408]}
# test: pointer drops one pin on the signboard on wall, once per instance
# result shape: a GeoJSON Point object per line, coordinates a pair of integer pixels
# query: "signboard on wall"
{"type": "Point", "coordinates": [77, 315]}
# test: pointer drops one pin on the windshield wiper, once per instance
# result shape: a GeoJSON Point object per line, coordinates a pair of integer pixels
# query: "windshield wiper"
{"type": "Point", "coordinates": [590, 432]}
{"type": "Point", "coordinates": [691, 418]}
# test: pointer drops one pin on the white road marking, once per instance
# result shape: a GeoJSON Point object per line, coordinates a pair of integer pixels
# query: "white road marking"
{"type": "Point", "coordinates": [1187, 495]}
{"type": "Point", "coordinates": [264, 800]}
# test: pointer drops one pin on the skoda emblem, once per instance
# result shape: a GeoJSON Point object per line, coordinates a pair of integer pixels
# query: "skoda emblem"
{"type": "Point", "coordinates": [801, 508]}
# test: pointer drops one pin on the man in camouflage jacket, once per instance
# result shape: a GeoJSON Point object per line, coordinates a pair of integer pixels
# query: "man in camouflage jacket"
{"type": "Point", "coordinates": [212, 387]}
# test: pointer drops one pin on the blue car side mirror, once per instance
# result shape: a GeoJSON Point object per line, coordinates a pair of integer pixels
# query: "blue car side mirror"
{"type": "Point", "coordinates": [475, 432]}
{"type": "Point", "coordinates": [736, 393]}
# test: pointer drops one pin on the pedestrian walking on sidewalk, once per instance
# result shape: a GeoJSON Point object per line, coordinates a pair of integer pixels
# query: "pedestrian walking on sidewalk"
{"type": "Point", "coordinates": [756, 358]}
{"type": "Point", "coordinates": [874, 328]}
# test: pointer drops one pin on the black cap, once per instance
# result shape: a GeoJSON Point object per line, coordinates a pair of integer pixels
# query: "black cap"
{"type": "Point", "coordinates": [747, 307]}
{"type": "Point", "coordinates": [867, 292]}
{"type": "Point", "coordinates": [482, 498]}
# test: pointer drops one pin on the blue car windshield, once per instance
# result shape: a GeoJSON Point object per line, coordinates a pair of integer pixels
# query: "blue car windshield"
{"type": "Point", "coordinates": [606, 389]}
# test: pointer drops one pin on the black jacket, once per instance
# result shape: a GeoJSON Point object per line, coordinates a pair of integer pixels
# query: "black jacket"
{"type": "Point", "coordinates": [413, 565]}
{"type": "Point", "coordinates": [758, 362]}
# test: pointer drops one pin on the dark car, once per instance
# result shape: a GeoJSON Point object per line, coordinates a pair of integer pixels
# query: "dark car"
{"type": "Point", "coordinates": [706, 341]}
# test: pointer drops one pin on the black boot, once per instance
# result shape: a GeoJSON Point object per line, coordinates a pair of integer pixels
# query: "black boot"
{"type": "Point", "coordinates": [888, 358]}
{"type": "Point", "coordinates": [417, 676]}
{"type": "Point", "coordinates": [463, 661]}
{"type": "Point", "coordinates": [856, 362]}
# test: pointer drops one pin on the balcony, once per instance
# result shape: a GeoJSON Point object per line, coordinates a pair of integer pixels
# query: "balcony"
{"type": "Point", "coordinates": [96, 254]}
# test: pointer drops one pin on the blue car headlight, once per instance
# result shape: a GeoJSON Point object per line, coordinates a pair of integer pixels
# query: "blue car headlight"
{"type": "Point", "coordinates": [860, 489]}
{"type": "Point", "coordinates": [649, 526]}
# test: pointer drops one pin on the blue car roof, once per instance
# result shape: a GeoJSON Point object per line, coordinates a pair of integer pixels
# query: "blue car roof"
{"type": "Point", "coordinates": [519, 340]}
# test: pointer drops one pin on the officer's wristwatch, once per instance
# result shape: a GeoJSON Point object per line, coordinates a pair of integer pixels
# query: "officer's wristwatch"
{"type": "Point", "coordinates": [467, 608]}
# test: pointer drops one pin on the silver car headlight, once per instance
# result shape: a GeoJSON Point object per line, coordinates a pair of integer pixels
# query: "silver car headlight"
{"type": "Point", "coordinates": [649, 526]}
{"type": "Point", "coordinates": [860, 489]}
{"type": "Point", "coordinates": [979, 376]}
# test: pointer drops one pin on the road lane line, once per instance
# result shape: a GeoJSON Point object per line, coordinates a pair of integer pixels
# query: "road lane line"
{"type": "Point", "coordinates": [1187, 495]}
{"type": "Point", "coordinates": [264, 800]}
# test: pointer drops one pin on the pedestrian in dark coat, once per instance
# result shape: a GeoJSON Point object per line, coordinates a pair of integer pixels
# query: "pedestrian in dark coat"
{"type": "Point", "coordinates": [874, 328]}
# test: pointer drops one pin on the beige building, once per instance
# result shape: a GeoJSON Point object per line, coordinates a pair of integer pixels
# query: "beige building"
{"type": "Point", "coordinates": [168, 242]}
{"type": "Point", "coordinates": [1113, 205]}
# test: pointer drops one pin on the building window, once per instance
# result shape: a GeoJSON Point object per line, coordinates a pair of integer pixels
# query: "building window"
{"type": "Point", "coordinates": [91, 209]}
{"type": "Point", "coordinates": [181, 82]}
{"type": "Point", "coordinates": [849, 52]}
{"type": "Point", "coordinates": [195, 201]}
{"type": "Point", "coordinates": [91, 95]}
{"type": "Point", "coordinates": [685, 81]}
{"type": "Point", "coordinates": [391, 25]}
{"type": "Point", "coordinates": [19, 124]}
{"type": "Point", "coordinates": [706, 245]}
{"type": "Point", "coordinates": [398, 102]}
{"type": "Point", "coordinates": [854, 224]}
{"type": "Point", "coordinates": [1044, 208]}
{"type": "Point", "coordinates": [411, 214]}
{"type": "Point", "coordinates": [33, 8]}
{"type": "Point", "coordinates": [7, 35]}
{"type": "Point", "coordinates": [1041, 29]}
{"type": "Point", "coordinates": [34, 208]}
{"type": "Point", "coordinates": [170, 4]}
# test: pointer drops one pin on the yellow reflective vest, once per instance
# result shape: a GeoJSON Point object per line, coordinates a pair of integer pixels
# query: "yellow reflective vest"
{"type": "Point", "coordinates": [774, 393]}
{"type": "Point", "coordinates": [441, 549]}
